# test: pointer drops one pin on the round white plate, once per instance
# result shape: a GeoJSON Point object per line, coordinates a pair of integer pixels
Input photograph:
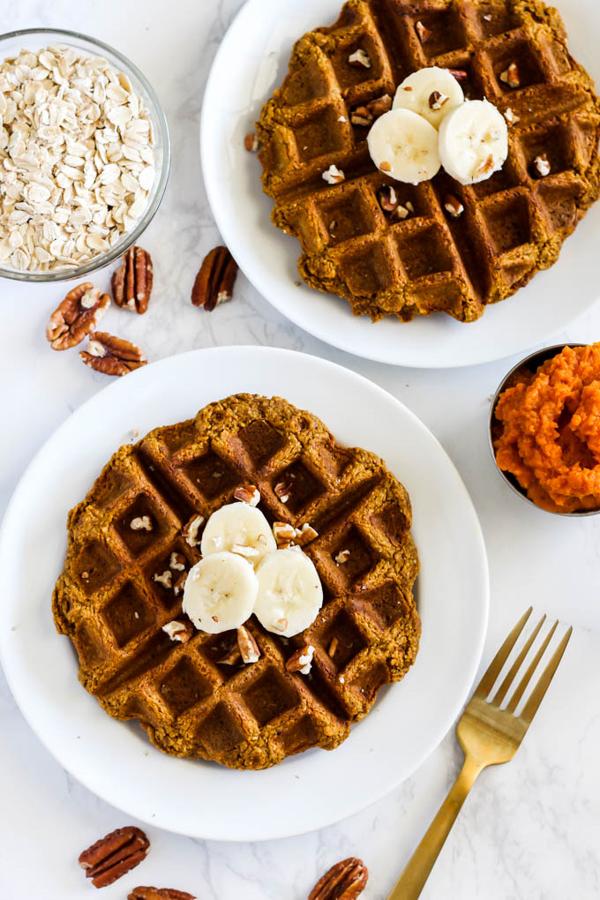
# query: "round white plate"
{"type": "Point", "coordinates": [114, 759]}
{"type": "Point", "coordinates": [251, 62]}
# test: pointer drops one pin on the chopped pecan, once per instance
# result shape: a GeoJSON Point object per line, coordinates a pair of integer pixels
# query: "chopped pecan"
{"type": "Point", "coordinates": [132, 282]}
{"type": "Point", "coordinates": [388, 198]}
{"type": "Point", "coordinates": [191, 531]}
{"type": "Point", "coordinates": [423, 32]}
{"type": "Point", "coordinates": [342, 557]}
{"type": "Point", "coordinates": [301, 660]}
{"type": "Point", "coordinates": [251, 143]}
{"type": "Point", "coordinates": [380, 106]}
{"type": "Point", "coordinates": [344, 881]}
{"type": "Point", "coordinates": [247, 493]}
{"type": "Point", "coordinates": [459, 74]}
{"type": "Point", "coordinates": [437, 100]}
{"type": "Point", "coordinates": [114, 855]}
{"type": "Point", "coordinates": [152, 893]}
{"type": "Point", "coordinates": [249, 650]}
{"type": "Point", "coordinates": [542, 165]}
{"type": "Point", "coordinates": [179, 631]}
{"type": "Point", "coordinates": [283, 490]}
{"type": "Point", "coordinates": [361, 116]}
{"type": "Point", "coordinates": [511, 76]}
{"type": "Point", "coordinates": [284, 533]}
{"type": "Point", "coordinates": [111, 355]}
{"type": "Point", "coordinates": [453, 206]}
{"type": "Point", "coordinates": [77, 315]}
{"type": "Point", "coordinates": [215, 281]}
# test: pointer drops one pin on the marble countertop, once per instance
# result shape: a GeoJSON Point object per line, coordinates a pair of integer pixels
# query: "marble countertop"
{"type": "Point", "coordinates": [530, 829]}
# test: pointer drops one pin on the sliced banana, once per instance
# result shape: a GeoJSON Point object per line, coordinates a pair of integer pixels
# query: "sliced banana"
{"type": "Point", "coordinates": [239, 528]}
{"type": "Point", "coordinates": [290, 593]}
{"type": "Point", "coordinates": [404, 146]}
{"type": "Point", "coordinates": [220, 592]}
{"type": "Point", "coordinates": [431, 92]}
{"type": "Point", "coordinates": [473, 142]}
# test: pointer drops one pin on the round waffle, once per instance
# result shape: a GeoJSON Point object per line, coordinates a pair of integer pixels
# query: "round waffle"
{"type": "Point", "coordinates": [514, 53]}
{"type": "Point", "coordinates": [197, 699]}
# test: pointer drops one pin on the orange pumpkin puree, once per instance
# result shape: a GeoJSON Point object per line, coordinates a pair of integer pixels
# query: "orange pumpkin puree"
{"type": "Point", "coordinates": [549, 436]}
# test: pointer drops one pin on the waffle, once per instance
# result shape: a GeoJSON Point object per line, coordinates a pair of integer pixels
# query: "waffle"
{"type": "Point", "coordinates": [188, 700]}
{"type": "Point", "coordinates": [513, 225]}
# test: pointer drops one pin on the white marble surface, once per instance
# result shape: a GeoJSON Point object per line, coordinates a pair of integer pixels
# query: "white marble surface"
{"type": "Point", "coordinates": [530, 830]}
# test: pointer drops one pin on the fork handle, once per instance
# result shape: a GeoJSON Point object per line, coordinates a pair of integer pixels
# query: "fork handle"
{"type": "Point", "coordinates": [412, 881]}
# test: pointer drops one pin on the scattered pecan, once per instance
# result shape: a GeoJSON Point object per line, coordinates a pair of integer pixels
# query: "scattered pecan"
{"type": "Point", "coordinates": [249, 650]}
{"type": "Point", "coordinates": [301, 660]}
{"type": "Point", "coordinates": [282, 490]}
{"type": "Point", "coordinates": [114, 855]}
{"type": "Point", "coordinates": [380, 106]}
{"type": "Point", "coordinates": [132, 281]}
{"type": "Point", "coordinates": [344, 881]}
{"type": "Point", "coordinates": [284, 533]}
{"type": "Point", "coordinates": [437, 100]}
{"type": "Point", "coordinates": [215, 281]}
{"type": "Point", "coordinates": [247, 493]}
{"type": "Point", "coordinates": [192, 529]}
{"type": "Point", "coordinates": [542, 165]}
{"type": "Point", "coordinates": [511, 76]}
{"type": "Point", "coordinates": [111, 355]}
{"type": "Point", "coordinates": [459, 74]}
{"type": "Point", "coordinates": [388, 198]}
{"type": "Point", "coordinates": [361, 116]}
{"type": "Point", "coordinates": [179, 631]}
{"type": "Point", "coordinates": [360, 59]}
{"type": "Point", "coordinates": [251, 143]}
{"type": "Point", "coordinates": [342, 557]}
{"type": "Point", "coordinates": [423, 32]}
{"type": "Point", "coordinates": [77, 315]}
{"type": "Point", "coordinates": [453, 206]}
{"type": "Point", "coordinates": [152, 893]}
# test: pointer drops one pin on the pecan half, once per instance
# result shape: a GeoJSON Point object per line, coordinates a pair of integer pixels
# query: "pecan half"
{"type": "Point", "coordinates": [132, 282]}
{"type": "Point", "coordinates": [423, 32]}
{"type": "Point", "coordinates": [511, 76]}
{"type": "Point", "coordinates": [111, 355]}
{"type": "Point", "coordinates": [152, 893]}
{"type": "Point", "coordinates": [247, 493]}
{"type": "Point", "coordinates": [114, 855]}
{"type": "Point", "coordinates": [77, 315]}
{"type": "Point", "coordinates": [215, 281]}
{"type": "Point", "coordinates": [344, 881]}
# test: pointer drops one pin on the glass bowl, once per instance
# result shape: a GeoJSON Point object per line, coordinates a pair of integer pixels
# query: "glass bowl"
{"type": "Point", "coordinates": [531, 363]}
{"type": "Point", "coordinates": [38, 38]}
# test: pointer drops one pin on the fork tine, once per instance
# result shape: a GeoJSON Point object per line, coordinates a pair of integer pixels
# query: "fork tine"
{"type": "Point", "coordinates": [531, 707]}
{"type": "Point", "coordinates": [495, 667]}
{"type": "Point", "coordinates": [512, 674]}
{"type": "Point", "coordinates": [522, 686]}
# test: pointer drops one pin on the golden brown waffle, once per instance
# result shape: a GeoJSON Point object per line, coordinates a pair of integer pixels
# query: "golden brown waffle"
{"type": "Point", "coordinates": [512, 226]}
{"type": "Point", "coordinates": [190, 703]}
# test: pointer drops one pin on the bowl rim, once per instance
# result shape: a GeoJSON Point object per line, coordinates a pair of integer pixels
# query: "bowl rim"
{"type": "Point", "coordinates": [543, 353]}
{"type": "Point", "coordinates": [158, 118]}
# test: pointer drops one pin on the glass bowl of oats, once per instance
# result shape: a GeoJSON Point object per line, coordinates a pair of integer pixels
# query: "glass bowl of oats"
{"type": "Point", "coordinates": [84, 154]}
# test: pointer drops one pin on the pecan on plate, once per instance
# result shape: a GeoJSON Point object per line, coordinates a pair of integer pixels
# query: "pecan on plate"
{"type": "Point", "coordinates": [77, 315]}
{"type": "Point", "coordinates": [132, 282]}
{"type": "Point", "coordinates": [215, 281]}
{"type": "Point", "coordinates": [111, 355]}
{"type": "Point", "coordinates": [344, 881]}
{"type": "Point", "coordinates": [114, 855]}
{"type": "Point", "coordinates": [152, 893]}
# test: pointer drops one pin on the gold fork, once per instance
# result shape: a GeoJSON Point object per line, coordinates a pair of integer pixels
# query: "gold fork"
{"type": "Point", "coordinates": [489, 735]}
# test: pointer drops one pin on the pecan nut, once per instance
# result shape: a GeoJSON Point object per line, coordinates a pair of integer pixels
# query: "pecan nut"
{"type": "Point", "coordinates": [249, 649]}
{"type": "Point", "coordinates": [111, 355]}
{"type": "Point", "coordinates": [215, 281]}
{"type": "Point", "coordinates": [344, 881]}
{"type": "Point", "coordinates": [301, 661]}
{"type": "Point", "coordinates": [77, 315]}
{"type": "Point", "coordinates": [132, 282]}
{"type": "Point", "coordinates": [114, 855]}
{"type": "Point", "coordinates": [152, 893]}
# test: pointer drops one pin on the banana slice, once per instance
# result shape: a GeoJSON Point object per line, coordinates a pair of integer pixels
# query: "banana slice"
{"type": "Point", "coordinates": [239, 528]}
{"type": "Point", "coordinates": [290, 593]}
{"type": "Point", "coordinates": [431, 92]}
{"type": "Point", "coordinates": [473, 142]}
{"type": "Point", "coordinates": [404, 146]}
{"type": "Point", "coordinates": [220, 592]}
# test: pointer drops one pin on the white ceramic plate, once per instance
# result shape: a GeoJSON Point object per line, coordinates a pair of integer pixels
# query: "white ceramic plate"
{"type": "Point", "coordinates": [114, 759]}
{"type": "Point", "coordinates": [251, 61]}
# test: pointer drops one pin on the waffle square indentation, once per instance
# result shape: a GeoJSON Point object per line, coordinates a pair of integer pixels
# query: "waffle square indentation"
{"type": "Point", "coordinates": [220, 731]}
{"type": "Point", "coordinates": [444, 32]}
{"type": "Point", "coordinates": [183, 686]}
{"type": "Point", "coordinates": [342, 640]}
{"type": "Point", "coordinates": [151, 525]}
{"type": "Point", "coordinates": [96, 566]}
{"type": "Point", "coordinates": [346, 216]}
{"type": "Point", "coordinates": [211, 475]}
{"type": "Point", "coordinates": [298, 484]}
{"type": "Point", "coordinates": [318, 135]}
{"type": "Point", "coordinates": [270, 696]}
{"type": "Point", "coordinates": [261, 441]}
{"type": "Point", "coordinates": [508, 223]}
{"type": "Point", "coordinates": [127, 615]}
{"type": "Point", "coordinates": [353, 556]}
{"type": "Point", "coordinates": [424, 253]}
